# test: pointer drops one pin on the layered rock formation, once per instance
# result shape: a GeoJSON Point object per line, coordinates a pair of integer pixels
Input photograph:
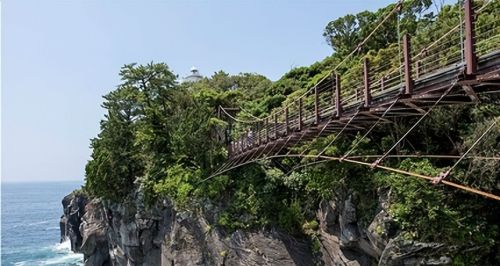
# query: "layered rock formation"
{"type": "Point", "coordinates": [130, 234]}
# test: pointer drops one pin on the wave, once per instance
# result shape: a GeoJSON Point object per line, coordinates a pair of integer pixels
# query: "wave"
{"type": "Point", "coordinates": [35, 223]}
{"type": "Point", "coordinates": [59, 254]}
{"type": "Point", "coordinates": [68, 259]}
{"type": "Point", "coordinates": [64, 246]}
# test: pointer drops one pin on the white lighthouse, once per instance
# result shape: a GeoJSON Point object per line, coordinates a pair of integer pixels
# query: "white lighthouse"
{"type": "Point", "coordinates": [194, 76]}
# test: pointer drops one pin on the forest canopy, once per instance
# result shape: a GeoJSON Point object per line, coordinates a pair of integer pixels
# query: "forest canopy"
{"type": "Point", "coordinates": [166, 138]}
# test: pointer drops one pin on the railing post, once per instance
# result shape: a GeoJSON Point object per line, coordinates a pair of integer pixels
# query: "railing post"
{"type": "Point", "coordinates": [275, 126]}
{"type": "Point", "coordinates": [244, 142]}
{"type": "Point", "coordinates": [238, 145]}
{"type": "Point", "coordinates": [316, 105]}
{"type": "Point", "coordinates": [338, 103]}
{"type": "Point", "coordinates": [382, 83]}
{"type": "Point", "coordinates": [259, 141]}
{"type": "Point", "coordinates": [470, 53]}
{"type": "Point", "coordinates": [287, 122]}
{"type": "Point", "coordinates": [267, 130]}
{"type": "Point", "coordinates": [252, 137]}
{"type": "Point", "coordinates": [300, 114]}
{"type": "Point", "coordinates": [417, 69]}
{"type": "Point", "coordinates": [248, 142]}
{"type": "Point", "coordinates": [407, 65]}
{"type": "Point", "coordinates": [368, 95]}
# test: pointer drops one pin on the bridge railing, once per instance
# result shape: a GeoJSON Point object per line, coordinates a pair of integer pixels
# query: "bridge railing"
{"type": "Point", "coordinates": [376, 75]}
{"type": "Point", "coordinates": [487, 29]}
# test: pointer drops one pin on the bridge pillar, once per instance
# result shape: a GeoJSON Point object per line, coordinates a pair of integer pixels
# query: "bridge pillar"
{"type": "Point", "coordinates": [287, 122]}
{"type": "Point", "coordinates": [470, 53]}
{"type": "Point", "coordinates": [407, 65]}
{"type": "Point", "coordinates": [316, 105]}
{"type": "Point", "coordinates": [300, 114]}
{"type": "Point", "coordinates": [338, 104]}
{"type": "Point", "coordinates": [368, 95]}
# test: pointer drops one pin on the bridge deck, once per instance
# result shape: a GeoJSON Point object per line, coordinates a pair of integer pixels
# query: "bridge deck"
{"type": "Point", "coordinates": [426, 92]}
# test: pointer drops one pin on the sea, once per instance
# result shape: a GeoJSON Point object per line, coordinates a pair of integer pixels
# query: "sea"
{"type": "Point", "coordinates": [30, 224]}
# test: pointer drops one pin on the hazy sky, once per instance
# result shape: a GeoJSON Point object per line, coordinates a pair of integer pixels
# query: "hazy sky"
{"type": "Point", "coordinates": [60, 56]}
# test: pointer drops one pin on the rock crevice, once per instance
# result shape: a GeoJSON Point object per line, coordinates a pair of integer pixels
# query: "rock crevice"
{"type": "Point", "coordinates": [130, 234]}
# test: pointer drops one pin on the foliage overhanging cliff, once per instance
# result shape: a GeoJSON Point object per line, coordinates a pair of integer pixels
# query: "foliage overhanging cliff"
{"type": "Point", "coordinates": [165, 138]}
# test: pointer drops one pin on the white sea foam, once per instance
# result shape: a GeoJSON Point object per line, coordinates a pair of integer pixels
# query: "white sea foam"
{"type": "Point", "coordinates": [35, 223]}
{"type": "Point", "coordinates": [63, 247]}
{"type": "Point", "coordinates": [70, 258]}
{"type": "Point", "coordinates": [62, 255]}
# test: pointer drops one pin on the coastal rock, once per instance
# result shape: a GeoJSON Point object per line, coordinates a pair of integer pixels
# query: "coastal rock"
{"type": "Point", "coordinates": [93, 228]}
{"type": "Point", "coordinates": [74, 209]}
{"type": "Point", "coordinates": [128, 233]}
{"type": "Point", "coordinates": [404, 252]}
{"type": "Point", "coordinates": [341, 241]}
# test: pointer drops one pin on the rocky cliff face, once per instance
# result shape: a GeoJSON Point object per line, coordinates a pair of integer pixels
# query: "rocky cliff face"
{"type": "Point", "coordinates": [130, 234]}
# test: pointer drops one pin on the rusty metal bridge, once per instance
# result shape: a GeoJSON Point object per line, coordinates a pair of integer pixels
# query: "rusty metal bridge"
{"type": "Point", "coordinates": [456, 68]}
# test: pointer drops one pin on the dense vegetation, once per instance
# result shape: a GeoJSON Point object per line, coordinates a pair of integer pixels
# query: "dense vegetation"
{"type": "Point", "coordinates": [166, 138]}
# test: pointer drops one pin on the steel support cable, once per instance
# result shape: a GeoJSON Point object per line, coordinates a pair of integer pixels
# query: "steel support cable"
{"type": "Point", "coordinates": [372, 127]}
{"type": "Point", "coordinates": [311, 143]}
{"type": "Point", "coordinates": [358, 47]}
{"type": "Point", "coordinates": [461, 32]}
{"type": "Point", "coordinates": [231, 163]}
{"type": "Point", "coordinates": [249, 154]}
{"type": "Point", "coordinates": [275, 144]}
{"type": "Point", "coordinates": [318, 135]}
{"type": "Point", "coordinates": [400, 51]}
{"type": "Point", "coordinates": [300, 139]}
{"type": "Point", "coordinates": [442, 176]}
{"type": "Point", "coordinates": [244, 162]}
{"type": "Point", "coordinates": [425, 49]}
{"type": "Point", "coordinates": [234, 118]}
{"type": "Point", "coordinates": [224, 165]}
{"type": "Point", "coordinates": [387, 168]}
{"type": "Point", "coordinates": [284, 144]}
{"type": "Point", "coordinates": [336, 136]}
{"type": "Point", "coordinates": [237, 161]}
{"type": "Point", "coordinates": [432, 156]}
{"type": "Point", "coordinates": [250, 114]}
{"type": "Point", "coordinates": [416, 124]}
{"type": "Point", "coordinates": [401, 156]}
{"type": "Point", "coordinates": [446, 182]}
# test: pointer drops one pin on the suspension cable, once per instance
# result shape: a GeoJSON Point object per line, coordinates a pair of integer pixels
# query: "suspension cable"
{"type": "Point", "coordinates": [387, 168]}
{"type": "Point", "coordinates": [372, 127]}
{"type": "Point", "coordinates": [336, 136]}
{"type": "Point", "coordinates": [442, 176]}
{"type": "Point", "coordinates": [416, 124]}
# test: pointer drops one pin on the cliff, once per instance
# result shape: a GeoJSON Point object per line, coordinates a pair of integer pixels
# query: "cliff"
{"type": "Point", "coordinates": [131, 234]}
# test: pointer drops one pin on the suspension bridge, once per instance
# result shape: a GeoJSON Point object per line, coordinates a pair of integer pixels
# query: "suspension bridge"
{"type": "Point", "coordinates": [456, 68]}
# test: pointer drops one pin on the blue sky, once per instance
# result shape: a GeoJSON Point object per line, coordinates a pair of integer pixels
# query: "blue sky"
{"type": "Point", "coordinates": [60, 56]}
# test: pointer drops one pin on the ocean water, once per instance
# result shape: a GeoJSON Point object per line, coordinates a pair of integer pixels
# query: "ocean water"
{"type": "Point", "coordinates": [30, 224]}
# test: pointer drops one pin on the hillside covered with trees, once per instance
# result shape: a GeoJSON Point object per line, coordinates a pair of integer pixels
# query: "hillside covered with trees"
{"type": "Point", "coordinates": [165, 138]}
